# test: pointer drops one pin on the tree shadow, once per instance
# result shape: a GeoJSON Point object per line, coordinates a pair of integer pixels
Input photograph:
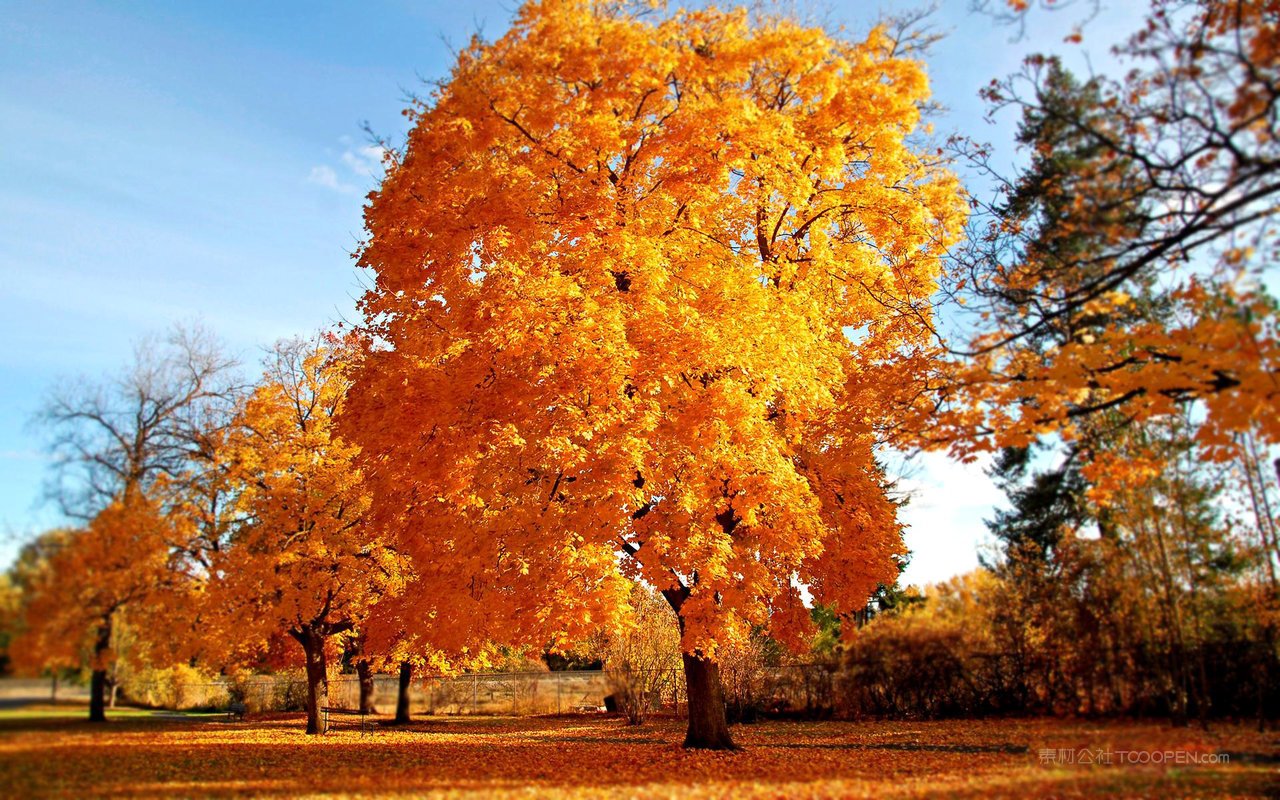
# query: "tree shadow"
{"type": "Point", "coordinates": [968, 749]}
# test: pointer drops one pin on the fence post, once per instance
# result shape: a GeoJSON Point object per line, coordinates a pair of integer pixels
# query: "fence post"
{"type": "Point", "coordinates": [475, 694]}
{"type": "Point", "coordinates": [559, 684]}
{"type": "Point", "coordinates": [681, 690]}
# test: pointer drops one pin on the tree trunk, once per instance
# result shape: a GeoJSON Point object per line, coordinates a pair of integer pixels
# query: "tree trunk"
{"type": "Point", "coordinates": [366, 687]}
{"type": "Point", "coordinates": [98, 696]}
{"type": "Point", "coordinates": [402, 699]}
{"type": "Point", "coordinates": [312, 642]}
{"type": "Point", "coordinates": [98, 682]}
{"type": "Point", "coordinates": [708, 726]}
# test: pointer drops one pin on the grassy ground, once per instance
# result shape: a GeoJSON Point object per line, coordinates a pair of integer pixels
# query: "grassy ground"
{"type": "Point", "coordinates": [72, 712]}
{"type": "Point", "coordinates": [159, 756]}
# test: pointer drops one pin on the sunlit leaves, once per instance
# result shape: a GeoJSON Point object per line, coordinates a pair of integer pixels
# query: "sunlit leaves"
{"type": "Point", "coordinates": [305, 557]}
{"type": "Point", "coordinates": [613, 270]}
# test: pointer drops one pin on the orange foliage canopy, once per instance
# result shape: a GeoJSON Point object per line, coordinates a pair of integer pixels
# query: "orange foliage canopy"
{"type": "Point", "coordinates": [121, 559]}
{"type": "Point", "coordinates": [305, 559]}
{"type": "Point", "coordinates": [649, 286]}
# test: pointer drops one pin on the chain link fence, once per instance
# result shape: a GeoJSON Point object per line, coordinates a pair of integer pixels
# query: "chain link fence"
{"type": "Point", "coordinates": [804, 688]}
{"type": "Point", "coordinates": [520, 693]}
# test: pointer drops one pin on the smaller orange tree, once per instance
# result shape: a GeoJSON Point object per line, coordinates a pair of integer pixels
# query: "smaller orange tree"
{"type": "Point", "coordinates": [407, 632]}
{"type": "Point", "coordinates": [73, 604]}
{"type": "Point", "coordinates": [305, 561]}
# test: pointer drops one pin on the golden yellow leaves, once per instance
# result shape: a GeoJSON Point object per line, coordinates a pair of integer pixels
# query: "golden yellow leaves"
{"type": "Point", "coordinates": [306, 552]}
{"type": "Point", "coordinates": [1117, 285]}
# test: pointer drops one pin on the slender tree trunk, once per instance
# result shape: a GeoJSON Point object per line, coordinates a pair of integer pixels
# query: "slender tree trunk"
{"type": "Point", "coordinates": [708, 725]}
{"type": "Point", "coordinates": [367, 688]}
{"type": "Point", "coordinates": [98, 681]}
{"type": "Point", "coordinates": [402, 698]}
{"type": "Point", "coordinates": [1261, 508]}
{"type": "Point", "coordinates": [312, 642]}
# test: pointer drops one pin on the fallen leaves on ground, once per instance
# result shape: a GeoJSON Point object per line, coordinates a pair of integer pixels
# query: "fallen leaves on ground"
{"type": "Point", "coordinates": [603, 757]}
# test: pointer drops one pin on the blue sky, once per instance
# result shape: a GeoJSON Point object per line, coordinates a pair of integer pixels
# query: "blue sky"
{"type": "Point", "coordinates": [165, 162]}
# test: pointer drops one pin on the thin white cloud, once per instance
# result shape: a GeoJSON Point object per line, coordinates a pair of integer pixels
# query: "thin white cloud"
{"type": "Point", "coordinates": [356, 167]}
{"type": "Point", "coordinates": [365, 160]}
{"type": "Point", "coordinates": [326, 176]}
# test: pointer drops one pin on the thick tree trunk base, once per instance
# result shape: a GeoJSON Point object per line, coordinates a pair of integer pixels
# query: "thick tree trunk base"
{"type": "Point", "coordinates": [708, 725]}
{"type": "Point", "coordinates": [402, 698]}
{"type": "Point", "coordinates": [98, 696]}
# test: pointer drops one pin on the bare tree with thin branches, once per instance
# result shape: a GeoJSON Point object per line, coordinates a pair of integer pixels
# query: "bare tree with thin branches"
{"type": "Point", "coordinates": [120, 435]}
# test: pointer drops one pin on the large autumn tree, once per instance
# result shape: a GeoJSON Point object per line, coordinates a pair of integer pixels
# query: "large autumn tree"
{"type": "Point", "coordinates": [305, 561]}
{"type": "Point", "coordinates": [646, 287]}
